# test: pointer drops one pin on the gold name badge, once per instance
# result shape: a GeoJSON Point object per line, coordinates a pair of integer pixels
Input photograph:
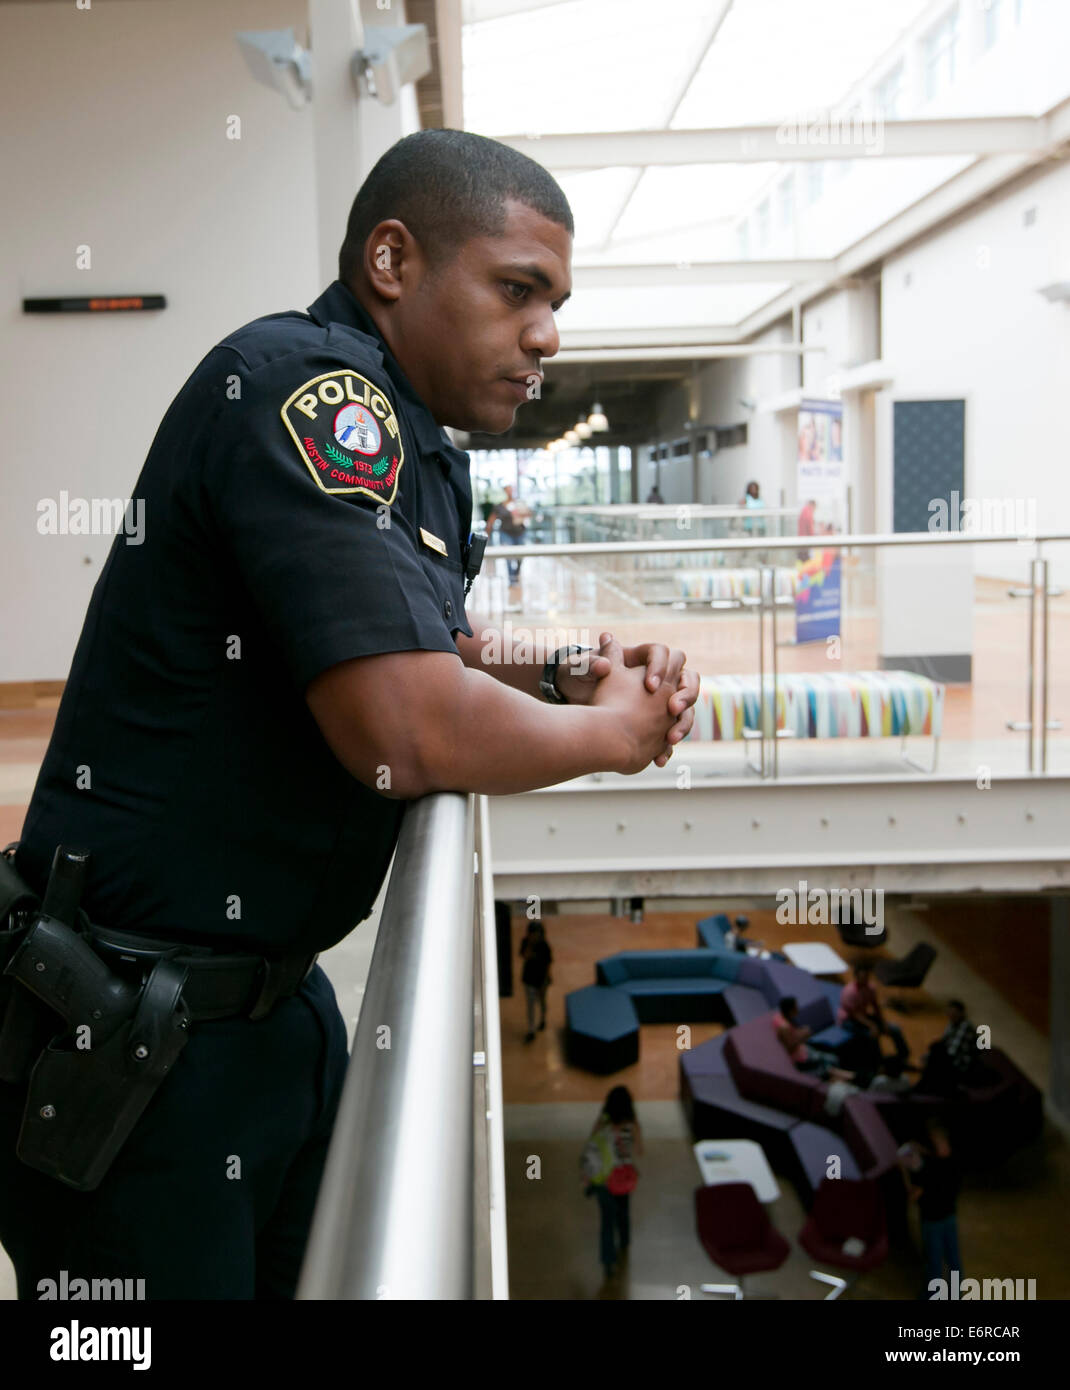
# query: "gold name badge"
{"type": "Point", "coordinates": [433, 541]}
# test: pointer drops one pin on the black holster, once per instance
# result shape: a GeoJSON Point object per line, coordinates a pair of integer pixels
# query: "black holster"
{"type": "Point", "coordinates": [85, 1092]}
{"type": "Point", "coordinates": [25, 1024]}
{"type": "Point", "coordinates": [82, 1104]}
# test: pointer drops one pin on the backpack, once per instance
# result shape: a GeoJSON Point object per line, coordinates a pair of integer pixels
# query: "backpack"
{"type": "Point", "coordinates": [599, 1165]}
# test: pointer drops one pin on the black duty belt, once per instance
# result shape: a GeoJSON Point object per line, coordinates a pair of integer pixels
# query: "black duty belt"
{"type": "Point", "coordinates": [218, 985]}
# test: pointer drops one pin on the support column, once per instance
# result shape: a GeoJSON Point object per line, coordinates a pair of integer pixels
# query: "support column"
{"type": "Point", "coordinates": [350, 129]}
{"type": "Point", "coordinates": [1059, 1016]}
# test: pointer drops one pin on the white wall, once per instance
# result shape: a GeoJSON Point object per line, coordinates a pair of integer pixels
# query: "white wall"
{"type": "Point", "coordinates": [725, 385]}
{"type": "Point", "coordinates": [971, 324]}
{"type": "Point", "coordinates": [114, 135]}
{"type": "Point", "coordinates": [714, 396]}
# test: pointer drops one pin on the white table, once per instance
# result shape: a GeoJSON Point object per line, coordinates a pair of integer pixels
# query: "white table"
{"type": "Point", "coordinates": [736, 1160]}
{"type": "Point", "coordinates": [815, 956]}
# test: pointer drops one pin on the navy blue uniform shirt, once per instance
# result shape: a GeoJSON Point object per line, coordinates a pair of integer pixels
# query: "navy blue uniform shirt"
{"type": "Point", "coordinates": [301, 507]}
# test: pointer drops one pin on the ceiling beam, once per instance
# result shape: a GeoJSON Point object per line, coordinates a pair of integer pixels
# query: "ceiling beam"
{"type": "Point", "coordinates": [797, 139]}
{"type": "Point", "coordinates": [591, 277]}
{"type": "Point", "coordinates": [682, 336]}
{"type": "Point", "coordinates": [482, 11]}
{"type": "Point", "coordinates": [692, 352]}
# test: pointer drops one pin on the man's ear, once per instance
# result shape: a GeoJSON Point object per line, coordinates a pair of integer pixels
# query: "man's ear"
{"type": "Point", "coordinates": [388, 252]}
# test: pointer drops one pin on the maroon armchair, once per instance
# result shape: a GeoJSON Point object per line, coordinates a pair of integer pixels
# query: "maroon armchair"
{"type": "Point", "coordinates": [737, 1234]}
{"type": "Point", "coordinates": [845, 1208]}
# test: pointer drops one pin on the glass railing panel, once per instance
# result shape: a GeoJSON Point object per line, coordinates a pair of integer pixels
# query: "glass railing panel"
{"type": "Point", "coordinates": [953, 613]}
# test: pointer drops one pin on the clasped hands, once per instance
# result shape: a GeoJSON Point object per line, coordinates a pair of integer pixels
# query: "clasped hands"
{"type": "Point", "coordinates": [579, 678]}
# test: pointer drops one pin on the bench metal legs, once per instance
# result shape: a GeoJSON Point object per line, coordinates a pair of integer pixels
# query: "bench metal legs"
{"type": "Point", "coordinates": [911, 762]}
{"type": "Point", "coordinates": [838, 1284]}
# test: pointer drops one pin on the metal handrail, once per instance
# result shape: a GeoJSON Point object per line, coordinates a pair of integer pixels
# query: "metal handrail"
{"type": "Point", "coordinates": [492, 1132]}
{"type": "Point", "coordinates": [394, 1218]}
{"type": "Point", "coordinates": [663, 511]}
{"type": "Point", "coordinates": [837, 542]}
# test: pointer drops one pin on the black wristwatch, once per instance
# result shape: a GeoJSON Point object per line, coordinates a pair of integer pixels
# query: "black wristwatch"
{"type": "Point", "coordinates": [548, 684]}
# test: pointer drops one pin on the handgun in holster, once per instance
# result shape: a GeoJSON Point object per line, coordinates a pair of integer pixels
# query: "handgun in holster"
{"type": "Point", "coordinates": [91, 1082]}
{"type": "Point", "coordinates": [24, 1025]}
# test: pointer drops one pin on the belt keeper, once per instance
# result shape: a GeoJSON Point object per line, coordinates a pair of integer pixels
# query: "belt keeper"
{"type": "Point", "coordinates": [282, 978]}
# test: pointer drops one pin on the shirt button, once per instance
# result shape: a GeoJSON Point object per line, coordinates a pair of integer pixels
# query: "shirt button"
{"type": "Point", "coordinates": [447, 608]}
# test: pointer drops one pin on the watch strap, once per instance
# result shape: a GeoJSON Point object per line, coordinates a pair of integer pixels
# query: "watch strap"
{"type": "Point", "coordinates": [548, 684]}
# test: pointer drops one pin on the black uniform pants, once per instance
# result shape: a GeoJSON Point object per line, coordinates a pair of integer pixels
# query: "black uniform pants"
{"type": "Point", "coordinates": [212, 1195]}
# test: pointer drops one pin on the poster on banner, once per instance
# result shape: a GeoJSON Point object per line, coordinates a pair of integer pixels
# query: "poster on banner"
{"type": "Point", "coordinates": [822, 498]}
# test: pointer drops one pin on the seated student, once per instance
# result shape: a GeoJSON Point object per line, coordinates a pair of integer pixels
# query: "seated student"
{"type": "Point", "coordinates": [860, 1014]}
{"type": "Point", "coordinates": [734, 940]}
{"type": "Point", "coordinates": [960, 1039]}
{"type": "Point", "coordinates": [952, 1061]}
{"type": "Point", "coordinates": [793, 1035]}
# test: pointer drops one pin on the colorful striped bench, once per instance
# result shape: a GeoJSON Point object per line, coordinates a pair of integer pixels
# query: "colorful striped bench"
{"type": "Point", "coordinates": [721, 584]}
{"type": "Point", "coordinates": [860, 704]}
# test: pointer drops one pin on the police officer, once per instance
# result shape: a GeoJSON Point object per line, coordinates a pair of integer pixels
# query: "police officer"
{"type": "Point", "coordinates": [263, 683]}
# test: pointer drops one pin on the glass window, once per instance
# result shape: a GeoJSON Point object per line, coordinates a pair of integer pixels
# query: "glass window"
{"type": "Point", "coordinates": [743, 238]}
{"type": "Point", "coordinates": [889, 94]}
{"type": "Point", "coordinates": [815, 180]}
{"type": "Point", "coordinates": [852, 126]}
{"type": "Point", "coordinates": [786, 200]}
{"type": "Point", "coordinates": [763, 224]}
{"type": "Point", "coordinates": [938, 54]}
{"type": "Point", "coordinates": [990, 28]}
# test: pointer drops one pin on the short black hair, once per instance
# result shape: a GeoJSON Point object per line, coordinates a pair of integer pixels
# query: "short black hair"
{"type": "Point", "coordinates": [956, 1004]}
{"type": "Point", "coordinates": [447, 186]}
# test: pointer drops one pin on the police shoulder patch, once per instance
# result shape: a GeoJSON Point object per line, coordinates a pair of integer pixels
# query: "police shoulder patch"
{"type": "Point", "coordinates": [347, 433]}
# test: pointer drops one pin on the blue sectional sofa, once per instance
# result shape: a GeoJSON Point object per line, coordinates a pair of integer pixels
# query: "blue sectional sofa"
{"type": "Point", "coordinates": [685, 986]}
{"type": "Point", "coordinates": [673, 986]}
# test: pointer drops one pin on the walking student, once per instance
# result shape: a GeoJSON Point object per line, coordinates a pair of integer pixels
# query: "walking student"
{"type": "Point", "coordinates": [611, 1175]}
{"type": "Point", "coordinates": [537, 957]}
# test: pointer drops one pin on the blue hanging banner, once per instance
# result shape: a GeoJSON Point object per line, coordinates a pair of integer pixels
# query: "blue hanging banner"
{"type": "Point", "coordinates": [822, 498]}
{"type": "Point", "coordinates": [817, 596]}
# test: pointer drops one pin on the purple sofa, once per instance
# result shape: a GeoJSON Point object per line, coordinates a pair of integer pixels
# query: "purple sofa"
{"type": "Point", "coordinates": [764, 1072]}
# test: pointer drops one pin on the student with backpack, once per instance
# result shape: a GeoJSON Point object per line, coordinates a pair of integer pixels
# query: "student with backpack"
{"type": "Point", "coordinates": [610, 1172]}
